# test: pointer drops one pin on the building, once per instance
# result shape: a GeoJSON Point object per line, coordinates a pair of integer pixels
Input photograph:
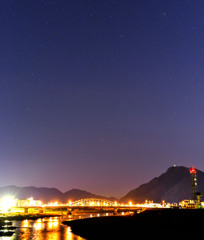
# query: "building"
{"type": "Point", "coordinates": [29, 202]}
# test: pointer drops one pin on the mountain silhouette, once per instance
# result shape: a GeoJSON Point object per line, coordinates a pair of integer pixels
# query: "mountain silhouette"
{"type": "Point", "coordinates": [47, 194]}
{"type": "Point", "coordinates": [172, 186]}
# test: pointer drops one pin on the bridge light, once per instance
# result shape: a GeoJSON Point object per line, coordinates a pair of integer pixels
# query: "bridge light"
{"type": "Point", "coordinates": [130, 203]}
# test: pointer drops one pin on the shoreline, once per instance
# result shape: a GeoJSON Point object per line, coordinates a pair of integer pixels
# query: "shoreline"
{"type": "Point", "coordinates": [20, 217]}
{"type": "Point", "coordinates": [170, 223]}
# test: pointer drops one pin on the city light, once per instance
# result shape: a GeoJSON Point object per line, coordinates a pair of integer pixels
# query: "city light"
{"type": "Point", "coordinates": [6, 203]}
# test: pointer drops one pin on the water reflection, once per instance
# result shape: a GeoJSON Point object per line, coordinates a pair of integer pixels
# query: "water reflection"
{"type": "Point", "coordinates": [42, 229]}
{"type": "Point", "coordinates": [49, 228]}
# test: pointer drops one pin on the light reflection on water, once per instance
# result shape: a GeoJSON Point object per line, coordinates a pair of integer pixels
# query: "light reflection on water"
{"type": "Point", "coordinates": [48, 228]}
{"type": "Point", "coordinates": [42, 229]}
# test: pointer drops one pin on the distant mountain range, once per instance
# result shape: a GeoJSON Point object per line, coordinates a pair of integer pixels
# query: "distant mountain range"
{"type": "Point", "coordinates": [172, 186]}
{"type": "Point", "coordinates": [48, 194]}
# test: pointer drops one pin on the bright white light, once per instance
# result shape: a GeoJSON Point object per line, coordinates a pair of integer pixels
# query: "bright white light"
{"type": "Point", "coordinates": [6, 203]}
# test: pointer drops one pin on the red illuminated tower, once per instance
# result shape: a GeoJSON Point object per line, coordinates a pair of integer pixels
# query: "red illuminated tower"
{"type": "Point", "coordinates": [194, 183]}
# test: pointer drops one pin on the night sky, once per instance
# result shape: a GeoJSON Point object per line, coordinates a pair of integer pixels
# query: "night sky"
{"type": "Point", "coordinates": [100, 95]}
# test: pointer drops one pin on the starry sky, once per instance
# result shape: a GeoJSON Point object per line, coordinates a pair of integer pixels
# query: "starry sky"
{"type": "Point", "coordinates": [100, 95]}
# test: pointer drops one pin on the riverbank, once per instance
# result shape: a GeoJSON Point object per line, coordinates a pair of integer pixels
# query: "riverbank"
{"type": "Point", "coordinates": [170, 223]}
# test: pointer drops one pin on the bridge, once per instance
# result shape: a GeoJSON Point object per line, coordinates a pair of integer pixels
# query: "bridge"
{"type": "Point", "coordinates": [86, 205]}
{"type": "Point", "coordinates": [94, 202]}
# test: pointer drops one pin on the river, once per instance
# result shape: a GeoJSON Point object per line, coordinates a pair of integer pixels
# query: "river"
{"type": "Point", "coordinates": [46, 228]}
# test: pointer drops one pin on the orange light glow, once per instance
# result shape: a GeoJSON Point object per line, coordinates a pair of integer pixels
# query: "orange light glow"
{"type": "Point", "coordinates": [130, 203]}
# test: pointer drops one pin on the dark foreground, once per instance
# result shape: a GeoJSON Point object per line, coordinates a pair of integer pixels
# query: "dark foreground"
{"type": "Point", "coordinates": [160, 224]}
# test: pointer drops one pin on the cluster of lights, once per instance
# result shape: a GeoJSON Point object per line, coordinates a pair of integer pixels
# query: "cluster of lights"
{"type": "Point", "coordinates": [8, 202]}
{"type": "Point", "coordinates": [192, 170]}
{"type": "Point", "coordinates": [52, 204]}
{"type": "Point", "coordinates": [92, 203]}
{"type": "Point", "coordinates": [31, 202]}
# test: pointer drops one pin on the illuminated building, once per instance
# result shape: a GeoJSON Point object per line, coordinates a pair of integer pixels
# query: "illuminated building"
{"type": "Point", "coordinates": [28, 202]}
{"type": "Point", "coordinates": [196, 196]}
{"type": "Point", "coordinates": [193, 182]}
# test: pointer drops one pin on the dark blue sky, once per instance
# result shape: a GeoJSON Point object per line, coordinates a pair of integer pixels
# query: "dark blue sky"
{"type": "Point", "coordinates": [100, 95]}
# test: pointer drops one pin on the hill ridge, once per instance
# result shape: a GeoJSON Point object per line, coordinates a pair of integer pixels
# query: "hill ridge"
{"type": "Point", "coordinates": [173, 185]}
{"type": "Point", "coordinates": [47, 194]}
